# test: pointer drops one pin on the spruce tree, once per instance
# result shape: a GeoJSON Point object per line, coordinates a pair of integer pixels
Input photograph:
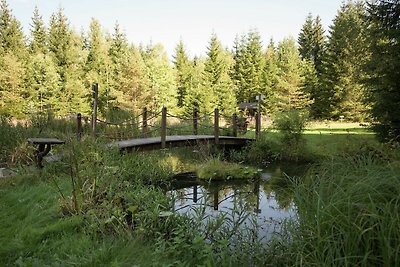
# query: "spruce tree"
{"type": "Point", "coordinates": [161, 77]}
{"type": "Point", "coordinates": [12, 60]}
{"type": "Point", "coordinates": [11, 36]}
{"type": "Point", "coordinates": [38, 42]}
{"type": "Point", "coordinates": [384, 68]}
{"type": "Point", "coordinates": [347, 52]}
{"type": "Point", "coordinates": [254, 65]}
{"type": "Point", "coordinates": [183, 69]}
{"type": "Point", "coordinates": [217, 81]}
{"type": "Point", "coordinates": [98, 66]}
{"type": "Point", "coordinates": [270, 77]}
{"type": "Point", "coordinates": [289, 88]}
{"type": "Point", "coordinates": [119, 56]}
{"type": "Point", "coordinates": [65, 49]}
{"type": "Point", "coordinates": [306, 39]}
{"type": "Point", "coordinates": [319, 45]}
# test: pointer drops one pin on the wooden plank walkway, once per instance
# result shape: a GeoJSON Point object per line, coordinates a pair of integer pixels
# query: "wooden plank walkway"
{"type": "Point", "coordinates": [179, 141]}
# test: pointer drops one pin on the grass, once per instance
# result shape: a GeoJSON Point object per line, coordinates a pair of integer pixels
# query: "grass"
{"type": "Point", "coordinates": [348, 206]}
{"type": "Point", "coordinates": [348, 210]}
{"type": "Point", "coordinates": [37, 234]}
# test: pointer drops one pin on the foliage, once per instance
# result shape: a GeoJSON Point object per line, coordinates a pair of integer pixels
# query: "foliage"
{"type": "Point", "coordinates": [383, 68]}
{"type": "Point", "coordinates": [347, 213]}
{"type": "Point", "coordinates": [291, 125]}
{"type": "Point", "coordinates": [290, 93]}
{"type": "Point", "coordinates": [347, 51]}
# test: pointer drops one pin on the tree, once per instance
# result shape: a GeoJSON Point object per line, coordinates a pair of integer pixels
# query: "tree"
{"type": "Point", "coordinates": [346, 53]}
{"type": "Point", "coordinates": [312, 42]}
{"type": "Point", "coordinates": [306, 39]}
{"type": "Point", "coordinates": [217, 80]}
{"type": "Point", "coordinates": [98, 66]}
{"type": "Point", "coordinates": [42, 82]}
{"type": "Point", "coordinates": [384, 67]}
{"type": "Point", "coordinates": [183, 69]}
{"type": "Point", "coordinates": [65, 47]}
{"type": "Point", "coordinates": [161, 77]}
{"type": "Point", "coordinates": [38, 42]}
{"type": "Point", "coordinates": [289, 88]}
{"type": "Point", "coordinates": [248, 67]}
{"type": "Point", "coordinates": [11, 36]}
{"type": "Point", "coordinates": [119, 56]}
{"type": "Point", "coordinates": [12, 58]}
{"type": "Point", "coordinates": [270, 76]}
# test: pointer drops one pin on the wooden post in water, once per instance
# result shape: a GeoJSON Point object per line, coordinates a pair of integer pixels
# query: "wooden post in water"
{"type": "Point", "coordinates": [216, 126]}
{"type": "Point", "coordinates": [234, 125]}
{"type": "Point", "coordinates": [79, 126]}
{"type": "Point", "coordinates": [144, 123]}
{"type": "Point", "coordinates": [195, 114]}
{"type": "Point", "coordinates": [95, 90]}
{"type": "Point", "coordinates": [163, 127]}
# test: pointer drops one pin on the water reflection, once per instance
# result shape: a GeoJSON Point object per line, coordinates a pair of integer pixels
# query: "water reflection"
{"type": "Point", "coordinates": [266, 201]}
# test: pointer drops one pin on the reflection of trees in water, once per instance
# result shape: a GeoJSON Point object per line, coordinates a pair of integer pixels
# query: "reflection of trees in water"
{"type": "Point", "coordinates": [244, 194]}
{"type": "Point", "coordinates": [279, 187]}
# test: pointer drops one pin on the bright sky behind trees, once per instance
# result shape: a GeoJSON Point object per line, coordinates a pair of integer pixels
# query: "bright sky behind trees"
{"type": "Point", "coordinates": [193, 21]}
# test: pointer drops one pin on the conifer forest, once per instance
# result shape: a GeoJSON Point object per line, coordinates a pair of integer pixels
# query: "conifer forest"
{"type": "Point", "coordinates": [339, 72]}
{"type": "Point", "coordinates": [259, 152]}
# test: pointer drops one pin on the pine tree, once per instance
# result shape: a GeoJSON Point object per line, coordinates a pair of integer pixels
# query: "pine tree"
{"type": "Point", "coordinates": [65, 48]}
{"type": "Point", "coordinates": [98, 66]}
{"type": "Point", "coordinates": [12, 59]}
{"type": "Point", "coordinates": [319, 45]}
{"type": "Point", "coordinates": [217, 77]}
{"type": "Point", "coordinates": [197, 94]}
{"type": "Point", "coordinates": [161, 77]}
{"type": "Point", "coordinates": [183, 69]}
{"type": "Point", "coordinates": [306, 39]}
{"type": "Point", "coordinates": [383, 67]}
{"type": "Point", "coordinates": [270, 77]}
{"type": "Point", "coordinates": [289, 88]}
{"type": "Point", "coordinates": [254, 66]}
{"type": "Point", "coordinates": [38, 43]}
{"type": "Point", "coordinates": [346, 53]}
{"type": "Point", "coordinates": [42, 83]}
{"type": "Point", "coordinates": [136, 85]}
{"type": "Point", "coordinates": [119, 56]}
{"type": "Point", "coordinates": [312, 41]}
{"type": "Point", "coordinates": [238, 73]}
{"type": "Point", "coordinates": [11, 36]}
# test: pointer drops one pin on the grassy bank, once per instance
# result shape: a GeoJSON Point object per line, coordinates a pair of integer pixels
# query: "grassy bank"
{"type": "Point", "coordinates": [97, 207]}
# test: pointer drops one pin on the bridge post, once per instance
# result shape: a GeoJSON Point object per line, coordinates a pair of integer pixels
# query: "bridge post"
{"type": "Point", "coordinates": [258, 124]}
{"type": "Point", "coordinates": [79, 126]}
{"type": "Point", "coordinates": [195, 112]}
{"type": "Point", "coordinates": [144, 123]}
{"type": "Point", "coordinates": [163, 127]}
{"type": "Point", "coordinates": [234, 124]}
{"type": "Point", "coordinates": [95, 90]}
{"type": "Point", "coordinates": [216, 126]}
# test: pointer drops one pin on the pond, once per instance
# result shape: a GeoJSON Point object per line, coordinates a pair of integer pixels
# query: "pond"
{"type": "Point", "coordinates": [261, 204]}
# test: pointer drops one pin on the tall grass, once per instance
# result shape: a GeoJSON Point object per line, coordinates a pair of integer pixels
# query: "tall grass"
{"type": "Point", "coordinates": [348, 213]}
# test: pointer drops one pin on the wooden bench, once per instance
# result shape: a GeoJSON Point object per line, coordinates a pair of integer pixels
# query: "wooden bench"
{"type": "Point", "coordinates": [44, 147]}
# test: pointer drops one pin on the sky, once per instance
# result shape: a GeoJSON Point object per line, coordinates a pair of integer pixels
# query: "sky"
{"type": "Point", "coordinates": [193, 21]}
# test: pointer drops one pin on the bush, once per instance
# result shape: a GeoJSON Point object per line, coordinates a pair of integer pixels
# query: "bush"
{"type": "Point", "coordinates": [291, 125]}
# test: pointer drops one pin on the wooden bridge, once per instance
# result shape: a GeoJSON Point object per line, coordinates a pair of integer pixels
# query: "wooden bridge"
{"type": "Point", "coordinates": [159, 130]}
{"type": "Point", "coordinates": [179, 141]}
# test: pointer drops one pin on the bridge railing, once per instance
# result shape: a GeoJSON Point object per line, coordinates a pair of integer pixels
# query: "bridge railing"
{"type": "Point", "coordinates": [162, 123]}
